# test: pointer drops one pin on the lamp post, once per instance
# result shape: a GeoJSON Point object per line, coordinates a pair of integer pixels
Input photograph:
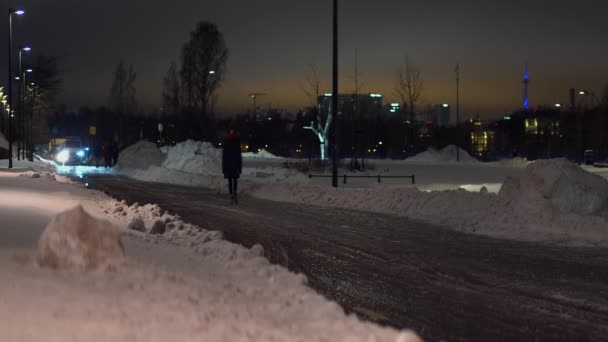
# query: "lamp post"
{"type": "Point", "coordinates": [11, 11]}
{"type": "Point", "coordinates": [20, 142]}
{"type": "Point", "coordinates": [22, 117]}
{"type": "Point", "coordinates": [334, 102]}
{"type": "Point", "coordinates": [212, 75]}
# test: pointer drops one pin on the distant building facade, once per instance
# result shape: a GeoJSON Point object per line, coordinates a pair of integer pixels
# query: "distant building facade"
{"type": "Point", "coordinates": [353, 105]}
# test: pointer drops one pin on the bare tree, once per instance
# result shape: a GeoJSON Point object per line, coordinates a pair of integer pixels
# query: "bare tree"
{"type": "Point", "coordinates": [40, 97]}
{"type": "Point", "coordinates": [171, 91]}
{"type": "Point", "coordinates": [204, 60]}
{"type": "Point", "coordinates": [122, 94]}
{"type": "Point", "coordinates": [312, 87]}
{"type": "Point", "coordinates": [47, 82]}
{"type": "Point", "coordinates": [409, 87]}
{"type": "Point", "coordinates": [312, 91]}
{"type": "Point", "coordinates": [122, 99]}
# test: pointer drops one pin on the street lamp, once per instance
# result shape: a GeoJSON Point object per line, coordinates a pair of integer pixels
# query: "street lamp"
{"type": "Point", "coordinates": [17, 12]}
{"type": "Point", "coordinates": [21, 120]}
{"type": "Point", "coordinates": [334, 100]}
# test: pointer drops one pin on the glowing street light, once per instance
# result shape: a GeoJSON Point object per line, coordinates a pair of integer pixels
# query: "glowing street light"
{"type": "Point", "coordinates": [558, 105]}
{"type": "Point", "coordinates": [20, 116]}
{"type": "Point", "coordinates": [445, 105]}
{"type": "Point", "coordinates": [17, 12]}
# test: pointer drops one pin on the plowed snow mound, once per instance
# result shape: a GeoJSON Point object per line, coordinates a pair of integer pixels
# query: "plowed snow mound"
{"type": "Point", "coordinates": [445, 155]}
{"type": "Point", "coordinates": [195, 157]}
{"type": "Point", "coordinates": [568, 188]}
{"type": "Point", "coordinates": [140, 156]}
{"type": "Point", "coordinates": [263, 154]}
{"type": "Point", "coordinates": [76, 240]}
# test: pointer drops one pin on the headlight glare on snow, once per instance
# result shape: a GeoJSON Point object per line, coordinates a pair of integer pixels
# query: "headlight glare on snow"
{"type": "Point", "coordinates": [63, 156]}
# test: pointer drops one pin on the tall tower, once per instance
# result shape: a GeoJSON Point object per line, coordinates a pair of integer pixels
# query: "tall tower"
{"type": "Point", "coordinates": [526, 103]}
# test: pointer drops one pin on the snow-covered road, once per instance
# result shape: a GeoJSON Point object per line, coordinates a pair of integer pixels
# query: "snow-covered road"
{"type": "Point", "coordinates": [162, 291]}
{"type": "Point", "coordinates": [442, 283]}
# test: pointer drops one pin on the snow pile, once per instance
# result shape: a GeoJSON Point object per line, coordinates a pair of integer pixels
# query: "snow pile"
{"type": "Point", "coordinates": [3, 142]}
{"type": "Point", "coordinates": [510, 162]}
{"type": "Point", "coordinates": [141, 155]}
{"type": "Point", "coordinates": [567, 187]}
{"type": "Point", "coordinates": [212, 291]}
{"type": "Point", "coordinates": [30, 174]}
{"type": "Point", "coordinates": [195, 157]}
{"type": "Point", "coordinates": [554, 201]}
{"type": "Point", "coordinates": [147, 218]}
{"type": "Point", "coordinates": [195, 163]}
{"type": "Point", "coordinates": [445, 155]}
{"type": "Point", "coordinates": [262, 154]}
{"type": "Point", "coordinates": [76, 240]}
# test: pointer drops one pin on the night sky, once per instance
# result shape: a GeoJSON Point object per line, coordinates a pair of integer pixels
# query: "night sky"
{"type": "Point", "coordinates": [271, 42]}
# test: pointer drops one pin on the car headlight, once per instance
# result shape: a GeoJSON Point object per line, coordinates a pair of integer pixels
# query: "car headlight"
{"type": "Point", "coordinates": [63, 156]}
{"type": "Point", "coordinates": [80, 153]}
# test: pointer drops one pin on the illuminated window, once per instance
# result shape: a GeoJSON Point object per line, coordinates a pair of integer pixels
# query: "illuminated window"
{"type": "Point", "coordinates": [532, 126]}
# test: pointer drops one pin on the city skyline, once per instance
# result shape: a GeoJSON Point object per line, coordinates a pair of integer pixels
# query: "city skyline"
{"type": "Point", "coordinates": [272, 42]}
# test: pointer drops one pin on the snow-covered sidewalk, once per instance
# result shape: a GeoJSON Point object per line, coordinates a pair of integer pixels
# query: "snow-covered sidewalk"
{"type": "Point", "coordinates": [185, 285]}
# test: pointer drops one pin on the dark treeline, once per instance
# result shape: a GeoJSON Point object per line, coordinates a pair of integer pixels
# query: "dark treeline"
{"type": "Point", "coordinates": [542, 133]}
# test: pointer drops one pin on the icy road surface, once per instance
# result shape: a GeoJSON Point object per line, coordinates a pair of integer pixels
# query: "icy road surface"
{"type": "Point", "coordinates": [441, 283]}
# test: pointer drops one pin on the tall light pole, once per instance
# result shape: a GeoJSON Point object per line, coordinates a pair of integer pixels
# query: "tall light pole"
{"type": "Point", "coordinates": [457, 109]}
{"type": "Point", "coordinates": [11, 11]}
{"type": "Point", "coordinates": [22, 115]}
{"type": "Point", "coordinates": [334, 102]}
{"type": "Point", "coordinates": [20, 142]}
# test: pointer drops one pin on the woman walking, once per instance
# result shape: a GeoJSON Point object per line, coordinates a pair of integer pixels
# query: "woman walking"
{"type": "Point", "coordinates": [232, 162]}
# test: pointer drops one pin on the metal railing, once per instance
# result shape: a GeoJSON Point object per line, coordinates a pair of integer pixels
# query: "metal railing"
{"type": "Point", "coordinates": [379, 177]}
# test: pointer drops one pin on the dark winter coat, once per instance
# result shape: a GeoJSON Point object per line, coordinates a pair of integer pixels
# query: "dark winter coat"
{"type": "Point", "coordinates": [232, 160]}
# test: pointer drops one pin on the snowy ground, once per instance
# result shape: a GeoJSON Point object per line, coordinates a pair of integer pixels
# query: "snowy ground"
{"type": "Point", "coordinates": [540, 202]}
{"type": "Point", "coordinates": [185, 285]}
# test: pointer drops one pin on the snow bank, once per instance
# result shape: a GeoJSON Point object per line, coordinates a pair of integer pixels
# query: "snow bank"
{"type": "Point", "coordinates": [141, 155]}
{"type": "Point", "coordinates": [262, 154]}
{"type": "Point", "coordinates": [195, 163]}
{"type": "Point", "coordinates": [554, 201]}
{"type": "Point", "coordinates": [212, 290]}
{"type": "Point", "coordinates": [567, 187]}
{"type": "Point", "coordinates": [195, 157]}
{"type": "Point", "coordinates": [445, 155]}
{"type": "Point", "coordinates": [76, 240]}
